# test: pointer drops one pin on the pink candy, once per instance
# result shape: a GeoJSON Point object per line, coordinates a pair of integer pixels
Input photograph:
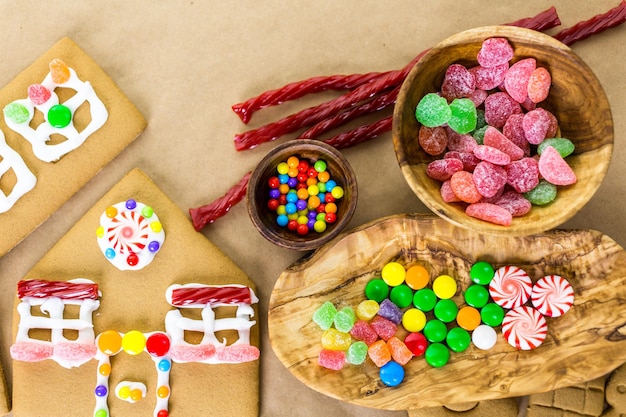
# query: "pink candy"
{"type": "Point", "coordinates": [489, 179]}
{"type": "Point", "coordinates": [442, 169]}
{"type": "Point", "coordinates": [490, 213]}
{"type": "Point", "coordinates": [495, 51]}
{"type": "Point", "coordinates": [554, 168]}
{"type": "Point", "coordinates": [383, 327]}
{"type": "Point", "coordinates": [332, 359]}
{"type": "Point", "coordinates": [458, 82]}
{"type": "Point", "coordinates": [517, 77]}
{"type": "Point", "coordinates": [31, 351]}
{"type": "Point", "coordinates": [364, 332]}
{"type": "Point", "coordinates": [497, 140]}
{"type": "Point", "coordinates": [499, 107]}
{"type": "Point", "coordinates": [237, 353]}
{"type": "Point", "coordinates": [193, 353]}
{"type": "Point", "coordinates": [523, 175]}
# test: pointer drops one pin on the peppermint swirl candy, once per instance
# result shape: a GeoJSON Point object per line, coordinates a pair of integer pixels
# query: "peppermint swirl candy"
{"type": "Point", "coordinates": [128, 232]}
{"type": "Point", "coordinates": [524, 328]}
{"type": "Point", "coordinates": [510, 287]}
{"type": "Point", "coordinates": [552, 295]}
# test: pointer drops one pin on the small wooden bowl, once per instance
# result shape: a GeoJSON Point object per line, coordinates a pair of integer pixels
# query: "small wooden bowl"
{"type": "Point", "coordinates": [576, 99]}
{"type": "Point", "coordinates": [258, 193]}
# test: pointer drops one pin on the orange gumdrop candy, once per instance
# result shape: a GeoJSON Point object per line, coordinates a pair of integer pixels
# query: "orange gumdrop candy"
{"type": "Point", "coordinates": [463, 186]}
{"type": "Point", "coordinates": [59, 71]}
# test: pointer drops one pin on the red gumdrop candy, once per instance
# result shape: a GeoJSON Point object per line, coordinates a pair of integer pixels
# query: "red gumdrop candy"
{"type": "Point", "coordinates": [539, 85]}
{"type": "Point", "coordinates": [363, 331]}
{"type": "Point", "coordinates": [458, 142]}
{"type": "Point", "coordinates": [458, 82]}
{"type": "Point", "coordinates": [499, 107]}
{"type": "Point", "coordinates": [517, 77]}
{"type": "Point", "coordinates": [379, 353]}
{"type": "Point", "coordinates": [447, 194]}
{"type": "Point", "coordinates": [554, 168]}
{"type": "Point", "coordinates": [497, 140]}
{"type": "Point", "coordinates": [433, 140]}
{"type": "Point", "coordinates": [478, 97]}
{"type": "Point", "coordinates": [468, 159]}
{"type": "Point", "coordinates": [488, 78]}
{"type": "Point", "coordinates": [38, 94]}
{"type": "Point", "coordinates": [514, 202]}
{"type": "Point", "coordinates": [490, 212]}
{"type": "Point", "coordinates": [491, 154]}
{"type": "Point", "coordinates": [463, 186]}
{"type": "Point", "coordinates": [332, 359]}
{"type": "Point", "coordinates": [399, 351]}
{"type": "Point", "coordinates": [528, 104]}
{"type": "Point", "coordinates": [384, 328]}
{"type": "Point", "coordinates": [237, 353]}
{"type": "Point", "coordinates": [523, 175]}
{"type": "Point", "coordinates": [514, 130]}
{"type": "Point", "coordinates": [489, 179]}
{"type": "Point", "coordinates": [538, 124]}
{"type": "Point", "coordinates": [495, 51]}
{"type": "Point", "coordinates": [442, 169]}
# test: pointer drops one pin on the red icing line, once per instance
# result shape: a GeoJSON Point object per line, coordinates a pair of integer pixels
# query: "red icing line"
{"type": "Point", "coordinates": [182, 297]}
{"type": "Point", "coordinates": [39, 288]}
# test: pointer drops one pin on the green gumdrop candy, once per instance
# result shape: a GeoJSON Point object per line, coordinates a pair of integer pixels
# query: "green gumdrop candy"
{"type": "Point", "coordinates": [357, 352]}
{"type": "Point", "coordinates": [433, 110]}
{"type": "Point", "coordinates": [480, 118]}
{"type": "Point", "coordinates": [542, 194]}
{"type": "Point", "coordinates": [479, 134]}
{"type": "Point", "coordinates": [563, 146]}
{"type": "Point", "coordinates": [462, 116]}
{"type": "Point", "coordinates": [16, 112]}
{"type": "Point", "coordinates": [324, 316]}
{"type": "Point", "coordinates": [344, 319]}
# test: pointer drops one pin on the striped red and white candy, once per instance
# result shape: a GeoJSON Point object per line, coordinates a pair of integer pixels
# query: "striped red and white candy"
{"type": "Point", "coordinates": [552, 295]}
{"type": "Point", "coordinates": [510, 287]}
{"type": "Point", "coordinates": [128, 232]}
{"type": "Point", "coordinates": [524, 328]}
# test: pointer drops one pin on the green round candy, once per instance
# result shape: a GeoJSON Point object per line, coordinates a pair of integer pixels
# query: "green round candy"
{"type": "Point", "coordinates": [479, 134]}
{"type": "Point", "coordinates": [59, 116]}
{"type": "Point", "coordinates": [476, 296]}
{"type": "Point", "coordinates": [462, 115]}
{"type": "Point", "coordinates": [542, 194]}
{"type": "Point", "coordinates": [17, 113]}
{"type": "Point", "coordinates": [482, 273]}
{"type": "Point", "coordinates": [437, 355]}
{"type": "Point", "coordinates": [319, 165]}
{"type": "Point", "coordinates": [446, 310]}
{"type": "Point", "coordinates": [435, 331]}
{"type": "Point", "coordinates": [402, 295]}
{"type": "Point", "coordinates": [563, 146]}
{"type": "Point", "coordinates": [433, 110]}
{"type": "Point", "coordinates": [458, 339]}
{"type": "Point", "coordinates": [492, 314]}
{"type": "Point", "coordinates": [425, 299]}
{"type": "Point", "coordinates": [376, 290]}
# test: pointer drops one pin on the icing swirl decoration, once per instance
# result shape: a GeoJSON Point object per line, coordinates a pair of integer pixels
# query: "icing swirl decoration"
{"type": "Point", "coordinates": [510, 287]}
{"type": "Point", "coordinates": [524, 328]}
{"type": "Point", "coordinates": [130, 234]}
{"type": "Point", "coordinates": [552, 295]}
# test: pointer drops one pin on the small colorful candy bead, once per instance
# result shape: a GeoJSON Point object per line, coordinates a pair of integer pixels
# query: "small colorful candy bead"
{"type": "Point", "coordinates": [393, 273]}
{"type": "Point", "coordinates": [417, 343]}
{"type": "Point", "coordinates": [435, 331]}
{"type": "Point", "coordinates": [444, 286]}
{"type": "Point", "coordinates": [484, 337]}
{"type": "Point", "coordinates": [437, 355]}
{"type": "Point", "coordinates": [476, 296]}
{"type": "Point", "coordinates": [458, 339]}
{"type": "Point", "coordinates": [391, 374]}
{"type": "Point", "coordinates": [425, 299]}
{"type": "Point", "coordinates": [468, 318]}
{"type": "Point", "coordinates": [377, 290]}
{"type": "Point", "coordinates": [401, 295]}
{"type": "Point", "coordinates": [417, 277]}
{"type": "Point", "coordinates": [446, 310]}
{"type": "Point", "coordinates": [413, 320]}
{"type": "Point", "coordinates": [492, 314]}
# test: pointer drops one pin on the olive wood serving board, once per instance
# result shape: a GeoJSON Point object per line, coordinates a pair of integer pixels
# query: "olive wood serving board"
{"type": "Point", "coordinates": [585, 343]}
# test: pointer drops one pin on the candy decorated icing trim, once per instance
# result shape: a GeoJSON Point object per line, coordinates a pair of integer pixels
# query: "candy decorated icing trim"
{"type": "Point", "coordinates": [58, 117]}
{"type": "Point", "coordinates": [26, 180]}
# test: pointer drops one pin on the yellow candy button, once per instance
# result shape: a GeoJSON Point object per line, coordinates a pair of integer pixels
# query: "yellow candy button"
{"type": "Point", "coordinates": [444, 287]}
{"type": "Point", "coordinates": [156, 227]}
{"type": "Point", "coordinates": [133, 342]}
{"type": "Point", "coordinates": [393, 274]}
{"type": "Point", "coordinates": [413, 320]}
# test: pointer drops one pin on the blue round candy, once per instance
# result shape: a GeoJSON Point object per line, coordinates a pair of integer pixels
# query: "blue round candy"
{"type": "Point", "coordinates": [392, 374]}
{"type": "Point", "coordinates": [282, 220]}
{"type": "Point", "coordinates": [312, 215]}
{"type": "Point", "coordinates": [330, 184]}
{"type": "Point", "coordinates": [164, 365]}
{"type": "Point", "coordinates": [274, 193]}
{"type": "Point", "coordinates": [291, 197]}
{"type": "Point", "coordinates": [311, 224]}
{"type": "Point", "coordinates": [131, 204]}
{"type": "Point", "coordinates": [109, 253]}
{"type": "Point", "coordinates": [283, 178]}
{"type": "Point", "coordinates": [290, 208]}
{"type": "Point", "coordinates": [301, 204]}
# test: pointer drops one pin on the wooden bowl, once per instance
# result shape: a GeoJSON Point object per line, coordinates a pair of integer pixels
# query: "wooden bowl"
{"type": "Point", "coordinates": [258, 193]}
{"type": "Point", "coordinates": [576, 99]}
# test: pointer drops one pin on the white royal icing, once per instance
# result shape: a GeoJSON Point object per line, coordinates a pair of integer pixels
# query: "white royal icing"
{"type": "Point", "coordinates": [9, 159]}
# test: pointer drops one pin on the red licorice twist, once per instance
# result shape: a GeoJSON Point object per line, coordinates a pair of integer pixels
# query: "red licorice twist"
{"type": "Point", "coordinates": [599, 23]}
{"type": "Point", "coordinates": [361, 134]}
{"type": "Point", "coordinates": [39, 288]}
{"type": "Point", "coordinates": [203, 215]}
{"type": "Point", "coordinates": [182, 297]}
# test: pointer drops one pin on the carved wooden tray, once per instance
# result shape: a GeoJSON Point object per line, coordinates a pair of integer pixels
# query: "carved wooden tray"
{"type": "Point", "coordinates": [585, 343]}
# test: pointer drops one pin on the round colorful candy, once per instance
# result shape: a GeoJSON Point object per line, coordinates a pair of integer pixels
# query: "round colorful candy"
{"type": "Point", "coordinates": [413, 320]}
{"type": "Point", "coordinates": [444, 286]}
{"type": "Point", "coordinates": [377, 290]}
{"type": "Point", "coordinates": [552, 295]}
{"type": "Point", "coordinates": [524, 328]}
{"type": "Point", "coordinates": [158, 344]}
{"type": "Point", "coordinates": [425, 299]}
{"type": "Point", "coordinates": [401, 295]}
{"type": "Point", "coordinates": [59, 116]}
{"type": "Point", "coordinates": [133, 342]}
{"type": "Point", "coordinates": [468, 318]}
{"type": "Point", "coordinates": [481, 273]}
{"type": "Point", "coordinates": [510, 287]}
{"type": "Point", "coordinates": [458, 339]}
{"type": "Point", "coordinates": [435, 331]}
{"type": "Point", "coordinates": [446, 310]}
{"type": "Point", "coordinates": [417, 277]}
{"type": "Point", "coordinates": [492, 314]}
{"type": "Point", "coordinates": [437, 355]}
{"type": "Point", "coordinates": [484, 337]}
{"type": "Point", "coordinates": [393, 273]}
{"type": "Point", "coordinates": [416, 342]}
{"type": "Point", "coordinates": [476, 296]}
{"type": "Point", "coordinates": [392, 374]}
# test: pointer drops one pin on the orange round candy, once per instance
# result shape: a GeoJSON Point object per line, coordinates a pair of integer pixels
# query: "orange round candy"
{"type": "Point", "coordinates": [111, 212]}
{"type": "Point", "coordinates": [417, 277]}
{"type": "Point", "coordinates": [468, 318]}
{"type": "Point", "coordinates": [136, 394]}
{"type": "Point", "coordinates": [109, 342]}
{"type": "Point", "coordinates": [163, 391]}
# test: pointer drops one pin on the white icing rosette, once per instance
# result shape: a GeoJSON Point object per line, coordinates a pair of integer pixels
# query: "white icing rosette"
{"type": "Point", "coordinates": [510, 287]}
{"type": "Point", "coordinates": [524, 328]}
{"type": "Point", "coordinates": [552, 295]}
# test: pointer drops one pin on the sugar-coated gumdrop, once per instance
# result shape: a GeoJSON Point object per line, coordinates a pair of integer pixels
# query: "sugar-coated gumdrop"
{"type": "Point", "coordinates": [325, 315]}
{"type": "Point", "coordinates": [523, 175]}
{"type": "Point", "coordinates": [379, 353]}
{"type": "Point", "coordinates": [479, 134]}
{"type": "Point", "coordinates": [514, 131]}
{"type": "Point", "coordinates": [59, 71]}
{"type": "Point", "coordinates": [468, 159]}
{"type": "Point", "coordinates": [357, 353]}
{"type": "Point", "coordinates": [464, 188]}
{"type": "Point", "coordinates": [416, 342]}
{"type": "Point", "coordinates": [563, 146]}
{"type": "Point", "coordinates": [458, 82]}
{"type": "Point", "coordinates": [333, 339]}
{"type": "Point", "coordinates": [460, 143]}
{"type": "Point", "coordinates": [494, 51]}
{"type": "Point", "coordinates": [488, 78]}
{"type": "Point", "coordinates": [38, 94]}
{"type": "Point", "coordinates": [332, 359]}
{"type": "Point", "coordinates": [499, 107]}
{"type": "Point", "coordinates": [478, 97]}
{"type": "Point", "coordinates": [364, 332]}
{"type": "Point", "coordinates": [539, 124]}
{"type": "Point", "coordinates": [237, 353]}
{"type": "Point", "coordinates": [344, 319]}
{"type": "Point", "coordinates": [433, 140]}
{"type": "Point", "coordinates": [490, 213]}
{"type": "Point", "coordinates": [390, 311]}
{"type": "Point", "coordinates": [517, 77]}
{"type": "Point", "coordinates": [399, 352]}
{"type": "Point", "coordinates": [447, 194]}
{"type": "Point", "coordinates": [491, 154]}
{"type": "Point", "coordinates": [514, 202]}
{"type": "Point", "coordinates": [489, 178]}
{"type": "Point", "coordinates": [432, 110]}
{"type": "Point", "coordinates": [16, 112]}
{"type": "Point", "coordinates": [539, 85]}
{"type": "Point", "coordinates": [384, 328]}
{"type": "Point", "coordinates": [391, 374]}
{"type": "Point", "coordinates": [462, 115]}
{"type": "Point", "coordinates": [542, 194]}
{"type": "Point", "coordinates": [443, 169]}
{"type": "Point", "coordinates": [367, 309]}
{"type": "Point", "coordinates": [554, 169]}
{"type": "Point", "coordinates": [497, 140]}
